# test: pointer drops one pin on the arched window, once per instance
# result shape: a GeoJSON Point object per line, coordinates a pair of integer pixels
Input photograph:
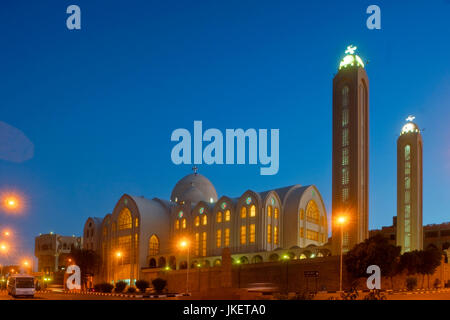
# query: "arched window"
{"type": "Point", "coordinates": [252, 233]}
{"type": "Point", "coordinates": [219, 217]}
{"type": "Point", "coordinates": [312, 212]}
{"type": "Point", "coordinates": [204, 220]}
{"type": "Point", "coordinates": [153, 245]}
{"type": "Point", "coordinates": [276, 213]}
{"type": "Point", "coordinates": [197, 221]}
{"type": "Point", "coordinates": [136, 223]}
{"type": "Point", "coordinates": [269, 233]}
{"type": "Point", "coordinates": [252, 210]}
{"type": "Point", "coordinates": [269, 211]}
{"type": "Point", "coordinates": [243, 212]}
{"type": "Point", "coordinates": [227, 215]}
{"type": "Point", "coordinates": [125, 220]}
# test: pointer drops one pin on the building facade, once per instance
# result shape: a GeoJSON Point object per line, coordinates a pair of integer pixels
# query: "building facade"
{"type": "Point", "coordinates": [350, 188]}
{"type": "Point", "coordinates": [52, 250]}
{"type": "Point", "coordinates": [409, 188]}
{"type": "Point", "coordinates": [142, 234]}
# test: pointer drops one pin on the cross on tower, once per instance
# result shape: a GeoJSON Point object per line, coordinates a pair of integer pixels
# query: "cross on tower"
{"type": "Point", "coordinates": [410, 118]}
{"type": "Point", "coordinates": [351, 49]}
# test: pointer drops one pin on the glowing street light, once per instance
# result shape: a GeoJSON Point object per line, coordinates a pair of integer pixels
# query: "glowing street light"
{"type": "Point", "coordinates": [184, 244]}
{"type": "Point", "coordinates": [3, 247]}
{"type": "Point", "coordinates": [341, 221]}
{"type": "Point", "coordinates": [11, 202]}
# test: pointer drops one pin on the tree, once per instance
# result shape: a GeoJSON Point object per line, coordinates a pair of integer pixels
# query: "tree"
{"type": "Point", "coordinates": [410, 261]}
{"type": "Point", "coordinates": [120, 286]}
{"type": "Point", "coordinates": [142, 285]}
{"type": "Point", "coordinates": [159, 284]}
{"type": "Point", "coordinates": [88, 261]}
{"type": "Point", "coordinates": [373, 251]}
{"type": "Point", "coordinates": [429, 260]}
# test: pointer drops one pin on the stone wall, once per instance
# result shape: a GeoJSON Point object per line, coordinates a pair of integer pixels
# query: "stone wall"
{"type": "Point", "coordinates": [282, 276]}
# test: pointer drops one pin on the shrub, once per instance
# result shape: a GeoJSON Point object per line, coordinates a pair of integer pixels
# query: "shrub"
{"type": "Point", "coordinates": [411, 283]}
{"type": "Point", "coordinates": [120, 286]}
{"type": "Point", "coordinates": [159, 284]}
{"type": "Point", "coordinates": [142, 285]}
{"type": "Point", "coordinates": [103, 287]}
{"type": "Point", "coordinates": [131, 290]}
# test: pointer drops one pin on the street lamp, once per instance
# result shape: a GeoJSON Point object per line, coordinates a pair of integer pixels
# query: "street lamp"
{"type": "Point", "coordinates": [341, 221]}
{"type": "Point", "coordinates": [184, 244]}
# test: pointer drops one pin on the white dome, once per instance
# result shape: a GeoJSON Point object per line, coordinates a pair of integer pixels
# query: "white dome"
{"type": "Point", "coordinates": [410, 127]}
{"type": "Point", "coordinates": [194, 188]}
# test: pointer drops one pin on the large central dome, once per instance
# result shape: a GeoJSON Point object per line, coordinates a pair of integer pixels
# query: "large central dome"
{"type": "Point", "coordinates": [194, 187]}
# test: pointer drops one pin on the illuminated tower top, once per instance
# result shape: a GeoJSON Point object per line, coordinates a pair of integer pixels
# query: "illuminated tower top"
{"type": "Point", "coordinates": [410, 126]}
{"type": "Point", "coordinates": [351, 59]}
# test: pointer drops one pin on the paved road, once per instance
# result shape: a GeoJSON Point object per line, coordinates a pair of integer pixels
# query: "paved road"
{"type": "Point", "coordinates": [63, 296]}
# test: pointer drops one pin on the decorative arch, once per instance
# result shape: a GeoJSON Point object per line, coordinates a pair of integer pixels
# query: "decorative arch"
{"type": "Point", "coordinates": [152, 263]}
{"type": "Point", "coordinates": [161, 262]}
{"type": "Point", "coordinates": [274, 257]}
{"type": "Point", "coordinates": [257, 259]}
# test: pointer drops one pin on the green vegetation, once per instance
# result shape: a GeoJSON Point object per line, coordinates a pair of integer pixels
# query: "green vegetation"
{"type": "Point", "coordinates": [142, 285]}
{"type": "Point", "coordinates": [159, 285]}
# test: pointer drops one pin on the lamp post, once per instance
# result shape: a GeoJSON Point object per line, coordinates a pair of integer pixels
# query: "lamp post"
{"type": "Point", "coordinates": [185, 244]}
{"type": "Point", "coordinates": [341, 220]}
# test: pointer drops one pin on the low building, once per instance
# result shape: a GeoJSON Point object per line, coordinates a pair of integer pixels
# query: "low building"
{"type": "Point", "coordinates": [437, 235]}
{"type": "Point", "coordinates": [52, 251]}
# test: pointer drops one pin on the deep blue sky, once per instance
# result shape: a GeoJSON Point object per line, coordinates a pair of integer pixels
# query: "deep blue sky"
{"type": "Point", "coordinates": [100, 104]}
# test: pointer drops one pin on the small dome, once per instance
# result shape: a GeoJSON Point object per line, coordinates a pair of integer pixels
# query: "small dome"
{"type": "Point", "coordinates": [351, 59]}
{"type": "Point", "coordinates": [410, 127]}
{"type": "Point", "coordinates": [194, 187]}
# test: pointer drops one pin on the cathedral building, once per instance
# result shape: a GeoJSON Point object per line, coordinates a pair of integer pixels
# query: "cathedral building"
{"type": "Point", "coordinates": [409, 188]}
{"type": "Point", "coordinates": [350, 190]}
{"type": "Point", "coordinates": [141, 234]}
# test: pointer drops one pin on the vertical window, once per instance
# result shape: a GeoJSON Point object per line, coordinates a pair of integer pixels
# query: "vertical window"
{"type": "Point", "coordinates": [345, 97]}
{"type": "Point", "coordinates": [407, 152]}
{"type": "Point", "coordinates": [252, 233]}
{"type": "Point", "coordinates": [243, 234]}
{"type": "Point", "coordinates": [344, 156]}
{"type": "Point", "coordinates": [345, 240]}
{"type": "Point", "coordinates": [204, 244]}
{"type": "Point", "coordinates": [302, 214]}
{"type": "Point", "coordinates": [252, 211]}
{"type": "Point", "coordinates": [183, 223]}
{"type": "Point", "coordinates": [219, 217]}
{"type": "Point", "coordinates": [345, 137]}
{"type": "Point", "coordinates": [302, 232]}
{"type": "Point", "coordinates": [243, 212]}
{"type": "Point", "coordinates": [197, 244]}
{"type": "Point", "coordinates": [219, 238]}
{"type": "Point", "coordinates": [204, 220]}
{"type": "Point", "coordinates": [227, 237]}
{"type": "Point", "coordinates": [344, 117]}
{"type": "Point", "coordinates": [275, 235]}
{"type": "Point", "coordinates": [276, 212]}
{"type": "Point", "coordinates": [177, 224]}
{"type": "Point", "coordinates": [312, 235]}
{"type": "Point", "coordinates": [227, 215]}
{"type": "Point", "coordinates": [269, 211]}
{"type": "Point", "coordinates": [197, 221]}
{"type": "Point", "coordinates": [345, 176]}
{"type": "Point", "coordinates": [344, 194]}
{"type": "Point", "coordinates": [136, 223]}
{"type": "Point", "coordinates": [269, 233]}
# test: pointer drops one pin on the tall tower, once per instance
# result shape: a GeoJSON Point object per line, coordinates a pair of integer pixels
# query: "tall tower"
{"type": "Point", "coordinates": [409, 187]}
{"type": "Point", "coordinates": [350, 152]}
